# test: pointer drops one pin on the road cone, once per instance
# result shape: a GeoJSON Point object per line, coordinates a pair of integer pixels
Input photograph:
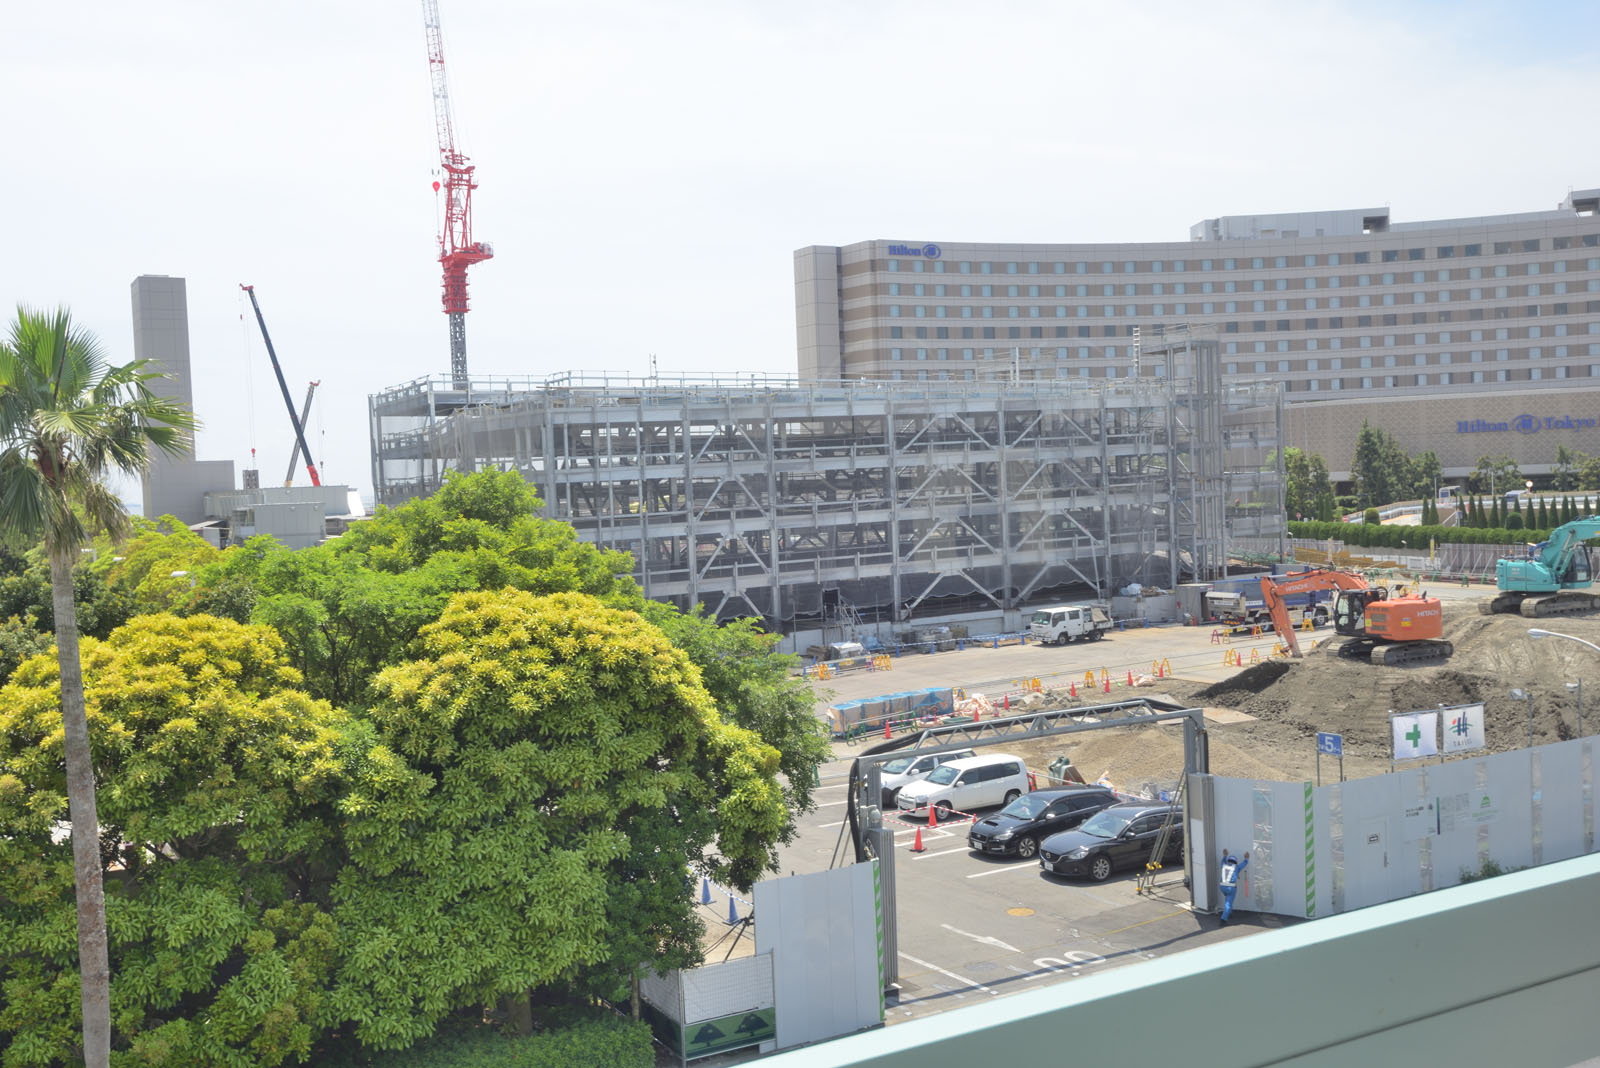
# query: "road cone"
{"type": "Point", "coordinates": [705, 890]}
{"type": "Point", "coordinates": [733, 911]}
{"type": "Point", "coordinates": [933, 816]}
{"type": "Point", "coordinates": [1108, 684]}
{"type": "Point", "coordinates": [1008, 702]}
{"type": "Point", "coordinates": [917, 846]}
{"type": "Point", "coordinates": [1074, 690]}
{"type": "Point", "coordinates": [1130, 676]}
{"type": "Point", "coordinates": [886, 733]}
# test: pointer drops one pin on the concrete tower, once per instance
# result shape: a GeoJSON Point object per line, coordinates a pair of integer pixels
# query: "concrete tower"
{"type": "Point", "coordinates": [175, 484]}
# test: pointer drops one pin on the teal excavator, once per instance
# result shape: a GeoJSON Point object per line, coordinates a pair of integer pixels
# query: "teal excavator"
{"type": "Point", "coordinates": [1544, 584]}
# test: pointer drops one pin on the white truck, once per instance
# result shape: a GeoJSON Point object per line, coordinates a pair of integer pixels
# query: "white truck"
{"type": "Point", "coordinates": [1068, 622]}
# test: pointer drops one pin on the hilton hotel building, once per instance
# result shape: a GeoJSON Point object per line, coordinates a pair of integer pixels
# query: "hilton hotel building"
{"type": "Point", "coordinates": [1470, 337]}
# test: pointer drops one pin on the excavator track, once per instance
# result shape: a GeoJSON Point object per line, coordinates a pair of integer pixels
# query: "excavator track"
{"type": "Point", "coordinates": [1403, 654]}
{"type": "Point", "coordinates": [1561, 604]}
{"type": "Point", "coordinates": [1412, 654]}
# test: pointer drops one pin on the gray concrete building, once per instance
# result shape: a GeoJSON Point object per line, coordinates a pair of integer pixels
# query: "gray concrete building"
{"type": "Point", "coordinates": [1336, 306]}
{"type": "Point", "coordinates": [175, 484]}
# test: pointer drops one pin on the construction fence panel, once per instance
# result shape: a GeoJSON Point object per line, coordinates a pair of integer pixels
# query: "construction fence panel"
{"type": "Point", "coordinates": [1423, 827]}
{"type": "Point", "coordinates": [824, 932]}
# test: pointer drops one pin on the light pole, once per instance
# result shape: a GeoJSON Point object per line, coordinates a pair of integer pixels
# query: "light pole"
{"type": "Point", "coordinates": [1526, 695]}
{"type": "Point", "coordinates": [1538, 632]}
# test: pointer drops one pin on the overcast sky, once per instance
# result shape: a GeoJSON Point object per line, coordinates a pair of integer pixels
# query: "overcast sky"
{"type": "Point", "coordinates": [647, 169]}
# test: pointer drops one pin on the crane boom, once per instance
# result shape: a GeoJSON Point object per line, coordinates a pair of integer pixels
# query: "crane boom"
{"type": "Point", "coordinates": [305, 413]}
{"type": "Point", "coordinates": [457, 249]}
{"type": "Point", "coordinates": [299, 432]}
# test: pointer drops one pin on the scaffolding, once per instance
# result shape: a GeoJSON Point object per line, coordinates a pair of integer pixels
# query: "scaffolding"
{"type": "Point", "coordinates": [810, 504]}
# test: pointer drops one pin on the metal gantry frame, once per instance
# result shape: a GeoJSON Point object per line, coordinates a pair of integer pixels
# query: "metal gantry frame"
{"type": "Point", "coordinates": [872, 839]}
{"type": "Point", "coordinates": [774, 499]}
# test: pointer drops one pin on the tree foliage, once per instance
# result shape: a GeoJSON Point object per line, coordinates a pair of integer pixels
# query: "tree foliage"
{"type": "Point", "coordinates": [1384, 472]}
{"type": "Point", "coordinates": [547, 765]}
{"type": "Point", "coordinates": [216, 806]}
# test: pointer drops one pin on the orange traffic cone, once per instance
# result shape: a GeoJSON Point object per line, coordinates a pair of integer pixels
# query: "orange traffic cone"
{"type": "Point", "coordinates": [1108, 684]}
{"type": "Point", "coordinates": [1074, 690]}
{"type": "Point", "coordinates": [1008, 702]}
{"type": "Point", "coordinates": [886, 733]}
{"type": "Point", "coordinates": [933, 817]}
{"type": "Point", "coordinates": [917, 846]}
{"type": "Point", "coordinates": [1130, 676]}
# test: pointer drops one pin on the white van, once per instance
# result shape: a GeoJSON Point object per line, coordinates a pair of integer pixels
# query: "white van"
{"type": "Point", "coordinates": [964, 785]}
{"type": "Point", "coordinates": [907, 769]}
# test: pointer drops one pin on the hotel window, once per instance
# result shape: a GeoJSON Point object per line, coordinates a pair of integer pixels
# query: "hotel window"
{"type": "Point", "coordinates": [1061, 268]}
{"type": "Point", "coordinates": [1474, 250]}
{"type": "Point", "coordinates": [919, 290]}
{"type": "Point", "coordinates": [1391, 255]}
{"type": "Point", "coordinates": [1033, 312]}
{"type": "Point", "coordinates": [1257, 263]}
{"type": "Point", "coordinates": [1413, 253]}
{"type": "Point", "coordinates": [985, 268]}
{"type": "Point", "coordinates": [894, 311]}
{"type": "Point", "coordinates": [1309, 261]}
{"type": "Point", "coordinates": [1156, 267]}
{"type": "Point", "coordinates": [1227, 264]}
{"type": "Point", "coordinates": [920, 310]}
{"type": "Point", "coordinates": [1179, 266]}
{"type": "Point", "coordinates": [1080, 268]}
{"type": "Point", "coordinates": [1128, 267]}
{"type": "Point", "coordinates": [988, 312]}
{"type": "Point", "coordinates": [965, 267]}
{"type": "Point", "coordinates": [1420, 360]}
{"type": "Point", "coordinates": [1011, 291]}
{"type": "Point", "coordinates": [1011, 268]}
{"type": "Point", "coordinates": [1013, 312]}
{"type": "Point", "coordinates": [1444, 252]}
{"type": "Point", "coordinates": [1061, 311]}
{"type": "Point", "coordinates": [966, 312]}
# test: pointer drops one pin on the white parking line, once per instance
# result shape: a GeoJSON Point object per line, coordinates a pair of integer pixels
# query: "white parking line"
{"type": "Point", "coordinates": [941, 853]}
{"type": "Point", "coordinates": [831, 804]}
{"type": "Point", "coordinates": [1001, 871]}
{"type": "Point", "coordinates": [949, 975]}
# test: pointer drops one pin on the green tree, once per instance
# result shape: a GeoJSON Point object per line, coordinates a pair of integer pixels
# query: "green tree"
{"type": "Point", "coordinates": [754, 688]}
{"type": "Point", "coordinates": [1495, 474]}
{"type": "Point", "coordinates": [1423, 474]}
{"type": "Point", "coordinates": [67, 418]}
{"type": "Point", "coordinates": [1308, 493]}
{"type": "Point", "coordinates": [217, 789]}
{"type": "Point", "coordinates": [1564, 473]}
{"type": "Point", "coordinates": [156, 565]}
{"type": "Point", "coordinates": [1372, 468]}
{"type": "Point", "coordinates": [560, 760]}
{"type": "Point", "coordinates": [19, 641]}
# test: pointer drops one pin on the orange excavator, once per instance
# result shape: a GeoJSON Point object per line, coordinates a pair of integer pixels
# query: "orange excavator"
{"type": "Point", "coordinates": [1390, 631]}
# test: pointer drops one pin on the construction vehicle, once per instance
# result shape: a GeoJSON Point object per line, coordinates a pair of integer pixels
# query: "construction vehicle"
{"type": "Point", "coordinates": [1390, 631]}
{"type": "Point", "coordinates": [1232, 610]}
{"type": "Point", "coordinates": [305, 413]}
{"type": "Point", "coordinates": [1069, 622]}
{"type": "Point", "coordinates": [299, 429]}
{"type": "Point", "coordinates": [1543, 585]}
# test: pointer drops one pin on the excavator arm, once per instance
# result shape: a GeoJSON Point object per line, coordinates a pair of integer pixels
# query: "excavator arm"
{"type": "Point", "coordinates": [1273, 591]}
{"type": "Point", "coordinates": [1564, 542]}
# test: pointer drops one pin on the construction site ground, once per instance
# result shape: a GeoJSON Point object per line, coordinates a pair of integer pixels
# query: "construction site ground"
{"type": "Point", "coordinates": [975, 927]}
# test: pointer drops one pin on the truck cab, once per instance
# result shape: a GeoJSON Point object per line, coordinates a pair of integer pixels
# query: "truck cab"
{"type": "Point", "coordinates": [1069, 622]}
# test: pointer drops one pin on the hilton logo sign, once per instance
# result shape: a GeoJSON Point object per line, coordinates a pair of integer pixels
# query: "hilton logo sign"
{"type": "Point", "coordinates": [1523, 424]}
{"type": "Point", "coordinates": [927, 252]}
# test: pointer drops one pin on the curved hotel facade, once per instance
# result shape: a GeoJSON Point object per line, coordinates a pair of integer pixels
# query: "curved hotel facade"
{"type": "Point", "coordinates": [1465, 336]}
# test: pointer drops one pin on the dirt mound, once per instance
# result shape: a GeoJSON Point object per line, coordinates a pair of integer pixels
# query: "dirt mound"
{"type": "Point", "coordinates": [1493, 654]}
{"type": "Point", "coordinates": [1133, 757]}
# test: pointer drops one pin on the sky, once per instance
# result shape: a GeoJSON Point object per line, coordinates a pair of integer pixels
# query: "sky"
{"type": "Point", "coordinates": [646, 169]}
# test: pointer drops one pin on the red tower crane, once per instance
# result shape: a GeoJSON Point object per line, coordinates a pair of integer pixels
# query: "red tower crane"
{"type": "Point", "coordinates": [457, 250]}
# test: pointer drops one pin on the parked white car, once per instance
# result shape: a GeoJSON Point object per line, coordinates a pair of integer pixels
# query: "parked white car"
{"type": "Point", "coordinates": [965, 785]}
{"type": "Point", "coordinates": [912, 768]}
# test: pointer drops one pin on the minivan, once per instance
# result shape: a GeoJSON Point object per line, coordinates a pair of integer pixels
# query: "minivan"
{"type": "Point", "coordinates": [912, 768]}
{"type": "Point", "coordinates": [964, 785]}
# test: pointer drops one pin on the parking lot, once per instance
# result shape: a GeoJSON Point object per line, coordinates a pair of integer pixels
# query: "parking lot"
{"type": "Point", "coordinates": [973, 927]}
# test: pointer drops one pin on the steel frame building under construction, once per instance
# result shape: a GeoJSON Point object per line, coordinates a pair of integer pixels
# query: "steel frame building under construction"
{"type": "Point", "coordinates": [808, 504]}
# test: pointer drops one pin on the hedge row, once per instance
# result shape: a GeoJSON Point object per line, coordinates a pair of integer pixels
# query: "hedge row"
{"type": "Point", "coordinates": [608, 1043]}
{"type": "Point", "coordinates": [1390, 537]}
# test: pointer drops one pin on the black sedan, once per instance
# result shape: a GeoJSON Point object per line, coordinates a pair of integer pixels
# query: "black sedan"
{"type": "Point", "coordinates": [1030, 819]}
{"type": "Point", "coordinates": [1121, 836]}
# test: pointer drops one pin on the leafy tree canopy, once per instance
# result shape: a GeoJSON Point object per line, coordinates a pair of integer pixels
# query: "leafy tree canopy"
{"type": "Point", "coordinates": [217, 783]}
{"type": "Point", "coordinates": [547, 766]}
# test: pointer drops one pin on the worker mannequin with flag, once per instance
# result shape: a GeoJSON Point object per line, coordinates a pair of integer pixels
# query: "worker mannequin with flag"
{"type": "Point", "coordinates": [1231, 867]}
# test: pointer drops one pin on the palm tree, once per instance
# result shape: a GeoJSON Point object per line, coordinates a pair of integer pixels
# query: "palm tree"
{"type": "Point", "coordinates": [66, 419]}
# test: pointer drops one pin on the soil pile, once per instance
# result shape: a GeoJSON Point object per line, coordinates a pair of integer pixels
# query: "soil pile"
{"type": "Point", "coordinates": [1291, 700]}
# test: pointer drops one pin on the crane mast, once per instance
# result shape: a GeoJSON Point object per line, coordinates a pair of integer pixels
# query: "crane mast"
{"type": "Point", "coordinates": [457, 250]}
{"type": "Point", "coordinates": [283, 387]}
